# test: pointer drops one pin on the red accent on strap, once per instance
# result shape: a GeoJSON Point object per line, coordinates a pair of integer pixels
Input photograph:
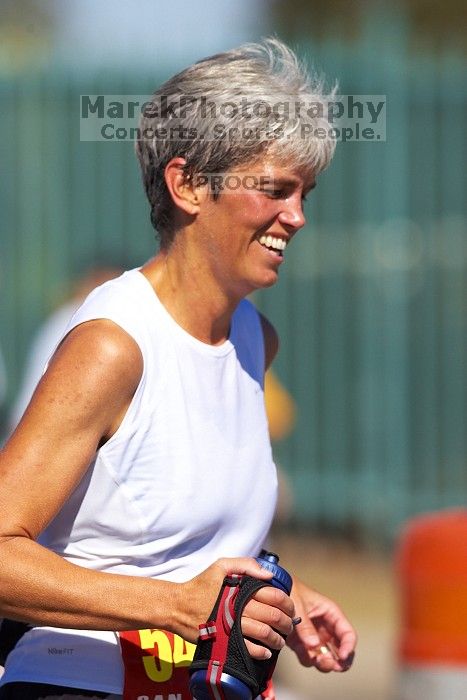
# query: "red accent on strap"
{"type": "Point", "coordinates": [224, 621]}
{"type": "Point", "coordinates": [269, 693]}
{"type": "Point", "coordinates": [228, 609]}
{"type": "Point", "coordinates": [214, 673]}
{"type": "Point", "coordinates": [208, 630]}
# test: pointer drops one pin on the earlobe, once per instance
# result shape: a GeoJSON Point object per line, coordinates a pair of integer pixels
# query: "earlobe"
{"type": "Point", "coordinates": [184, 195]}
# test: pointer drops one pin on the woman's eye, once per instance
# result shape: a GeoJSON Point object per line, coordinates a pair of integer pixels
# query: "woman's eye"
{"type": "Point", "coordinates": [275, 194]}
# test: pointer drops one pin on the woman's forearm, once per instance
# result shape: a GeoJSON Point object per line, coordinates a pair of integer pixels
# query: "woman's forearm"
{"type": "Point", "coordinates": [40, 587]}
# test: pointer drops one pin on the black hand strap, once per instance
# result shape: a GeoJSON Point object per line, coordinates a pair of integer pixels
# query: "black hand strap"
{"type": "Point", "coordinates": [221, 647]}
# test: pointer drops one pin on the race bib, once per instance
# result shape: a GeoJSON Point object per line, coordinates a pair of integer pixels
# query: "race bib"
{"type": "Point", "coordinates": [156, 665]}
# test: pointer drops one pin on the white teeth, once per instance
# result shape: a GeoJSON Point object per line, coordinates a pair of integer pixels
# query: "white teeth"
{"type": "Point", "coordinates": [272, 242]}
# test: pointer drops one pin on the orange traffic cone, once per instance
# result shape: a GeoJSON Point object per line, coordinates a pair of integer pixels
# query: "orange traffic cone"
{"type": "Point", "coordinates": [431, 561]}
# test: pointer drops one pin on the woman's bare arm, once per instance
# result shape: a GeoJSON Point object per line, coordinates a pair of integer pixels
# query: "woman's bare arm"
{"type": "Point", "coordinates": [78, 404]}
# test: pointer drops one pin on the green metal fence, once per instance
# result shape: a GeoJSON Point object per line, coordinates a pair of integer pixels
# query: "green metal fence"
{"type": "Point", "coordinates": [371, 305]}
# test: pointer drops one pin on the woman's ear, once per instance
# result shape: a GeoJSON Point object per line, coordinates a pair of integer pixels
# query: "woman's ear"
{"type": "Point", "coordinates": [182, 189]}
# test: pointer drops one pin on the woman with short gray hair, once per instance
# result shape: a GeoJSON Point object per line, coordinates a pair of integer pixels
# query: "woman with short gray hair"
{"type": "Point", "coordinates": [141, 472]}
{"type": "Point", "coordinates": [235, 107]}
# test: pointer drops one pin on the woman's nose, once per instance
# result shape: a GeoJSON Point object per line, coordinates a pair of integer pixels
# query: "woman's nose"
{"type": "Point", "coordinates": [292, 212]}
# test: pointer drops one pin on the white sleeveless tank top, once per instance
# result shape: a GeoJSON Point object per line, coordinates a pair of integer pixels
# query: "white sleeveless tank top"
{"type": "Point", "coordinates": [187, 478]}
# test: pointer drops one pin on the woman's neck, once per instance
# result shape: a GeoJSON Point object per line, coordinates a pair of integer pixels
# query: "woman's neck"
{"type": "Point", "coordinates": [191, 296]}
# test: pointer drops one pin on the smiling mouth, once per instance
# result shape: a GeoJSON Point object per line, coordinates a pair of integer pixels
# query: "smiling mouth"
{"type": "Point", "coordinates": [277, 245]}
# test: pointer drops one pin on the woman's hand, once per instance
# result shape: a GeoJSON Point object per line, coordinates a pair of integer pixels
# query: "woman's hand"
{"type": "Point", "coordinates": [266, 617]}
{"type": "Point", "coordinates": [324, 638]}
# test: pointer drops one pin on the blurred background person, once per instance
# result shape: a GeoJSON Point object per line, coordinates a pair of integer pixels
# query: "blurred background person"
{"type": "Point", "coordinates": [280, 411]}
{"type": "Point", "coordinates": [49, 333]}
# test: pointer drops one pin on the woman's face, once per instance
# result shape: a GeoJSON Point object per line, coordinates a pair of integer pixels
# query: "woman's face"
{"type": "Point", "coordinates": [242, 236]}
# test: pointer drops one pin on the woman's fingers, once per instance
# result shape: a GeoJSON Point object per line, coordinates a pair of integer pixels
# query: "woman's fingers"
{"type": "Point", "coordinates": [310, 653]}
{"type": "Point", "coordinates": [270, 615]}
{"type": "Point", "coordinates": [276, 598]}
{"type": "Point", "coordinates": [262, 637]}
{"type": "Point", "coordinates": [243, 566]}
{"type": "Point", "coordinates": [257, 652]}
{"type": "Point", "coordinates": [324, 639]}
{"type": "Point", "coordinates": [266, 621]}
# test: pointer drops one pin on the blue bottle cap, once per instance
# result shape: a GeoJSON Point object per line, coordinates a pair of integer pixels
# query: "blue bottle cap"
{"type": "Point", "coordinates": [282, 579]}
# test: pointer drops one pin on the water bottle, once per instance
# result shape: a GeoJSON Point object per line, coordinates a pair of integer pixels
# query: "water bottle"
{"type": "Point", "coordinates": [233, 688]}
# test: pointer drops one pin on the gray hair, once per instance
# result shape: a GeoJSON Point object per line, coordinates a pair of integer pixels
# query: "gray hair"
{"type": "Point", "coordinates": [230, 110]}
